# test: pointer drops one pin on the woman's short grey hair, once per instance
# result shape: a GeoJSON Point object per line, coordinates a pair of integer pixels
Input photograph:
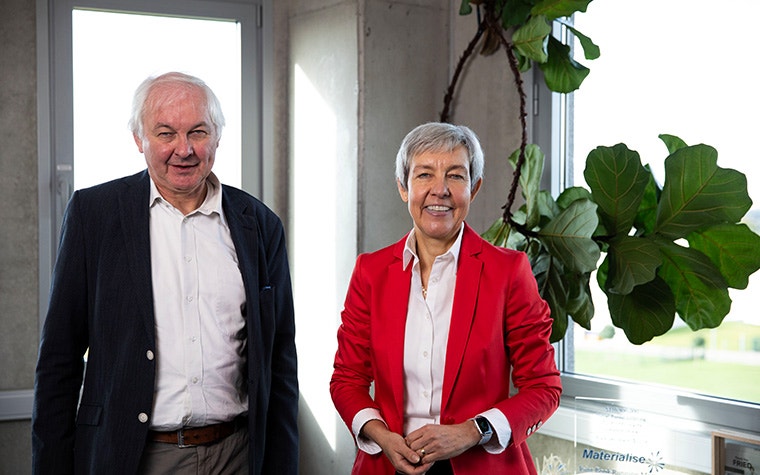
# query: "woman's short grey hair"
{"type": "Point", "coordinates": [142, 96]}
{"type": "Point", "coordinates": [439, 137]}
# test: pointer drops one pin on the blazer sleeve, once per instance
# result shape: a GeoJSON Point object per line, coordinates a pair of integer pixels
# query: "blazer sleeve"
{"type": "Point", "coordinates": [281, 453]}
{"type": "Point", "coordinates": [60, 364]}
{"type": "Point", "coordinates": [534, 372]}
{"type": "Point", "coordinates": [352, 369]}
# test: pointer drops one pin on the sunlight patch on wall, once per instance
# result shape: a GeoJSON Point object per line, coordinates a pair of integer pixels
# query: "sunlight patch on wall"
{"type": "Point", "coordinates": [315, 246]}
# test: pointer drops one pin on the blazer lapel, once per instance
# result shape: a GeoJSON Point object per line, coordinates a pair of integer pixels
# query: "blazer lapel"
{"type": "Point", "coordinates": [244, 232]}
{"type": "Point", "coordinates": [135, 215]}
{"type": "Point", "coordinates": [463, 311]}
{"type": "Point", "coordinates": [396, 302]}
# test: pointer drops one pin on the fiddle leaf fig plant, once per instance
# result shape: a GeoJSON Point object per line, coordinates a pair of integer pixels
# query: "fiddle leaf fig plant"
{"type": "Point", "coordinates": [668, 250]}
{"type": "Point", "coordinates": [657, 251]}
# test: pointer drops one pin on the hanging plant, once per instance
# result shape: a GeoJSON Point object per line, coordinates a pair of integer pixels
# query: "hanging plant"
{"type": "Point", "coordinates": [665, 250]}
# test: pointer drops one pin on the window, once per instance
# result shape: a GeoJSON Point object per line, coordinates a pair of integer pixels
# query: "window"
{"type": "Point", "coordinates": [677, 67]}
{"type": "Point", "coordinates": [106, 72]}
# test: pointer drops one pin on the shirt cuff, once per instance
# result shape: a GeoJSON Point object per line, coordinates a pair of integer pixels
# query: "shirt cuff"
{"type": "Point", "coordinates": [361, 418]}
{"type": "Point", "coordinates": [502, 431]}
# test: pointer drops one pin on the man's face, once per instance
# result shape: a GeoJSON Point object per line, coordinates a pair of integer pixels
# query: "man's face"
{"type": "Point", "coordinates": [179, 141]}
{"type": "Point", "coordinates": [439, 194]}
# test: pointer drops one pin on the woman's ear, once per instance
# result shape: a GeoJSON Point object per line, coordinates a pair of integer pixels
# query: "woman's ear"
{"type": "Point", "coordinates": [402, 191]}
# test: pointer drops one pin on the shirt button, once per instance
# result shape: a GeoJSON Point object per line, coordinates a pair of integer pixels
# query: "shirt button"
{"type": "Point", "coordinates": [192, 338]}
{"type": "Point", "coordinates": [142, 417]}
{"type": "Point", "coordinates": [189, 298]}
{"type": "Point", "coordinates": [188, 258]}
{"type": "Point", "coordinates": [425, 354]}
{"type": "Point", "coordinates": [195, 380]}
{"type": "Point", "coordinates": [149, 355]}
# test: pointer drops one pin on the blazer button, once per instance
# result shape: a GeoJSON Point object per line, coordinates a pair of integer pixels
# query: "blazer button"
{"type": "Point", "coordinates": [142, 417]}
{"type": "Point", "coordinates": [530, 429]}
{"type": "Point", "coordinates": [149, 355]}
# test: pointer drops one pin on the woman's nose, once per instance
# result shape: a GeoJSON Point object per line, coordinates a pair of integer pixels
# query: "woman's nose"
{"type": "Point", "coordinates": [441, 186]}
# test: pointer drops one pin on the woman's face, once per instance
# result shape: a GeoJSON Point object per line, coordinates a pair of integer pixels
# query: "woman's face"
{"type": "Point", "coordinates": [439, 194]}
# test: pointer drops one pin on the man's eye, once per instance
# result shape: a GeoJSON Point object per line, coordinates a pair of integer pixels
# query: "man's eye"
{"type": "Point", "coordinates": [198, 133]}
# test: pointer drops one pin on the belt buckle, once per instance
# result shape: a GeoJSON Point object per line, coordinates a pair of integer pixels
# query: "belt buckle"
{"type": "Point", "coordinates": [181, 439]}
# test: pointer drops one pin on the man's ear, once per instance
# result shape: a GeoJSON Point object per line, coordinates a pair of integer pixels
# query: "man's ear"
{"type": "Point", "coordinates": [138, 141]}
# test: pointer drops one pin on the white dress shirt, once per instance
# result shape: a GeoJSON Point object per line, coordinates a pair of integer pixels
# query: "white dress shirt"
{"type": "Point", "coordinates": [426, 336]}
{"type": "Point", "coordinates": [198, 300]}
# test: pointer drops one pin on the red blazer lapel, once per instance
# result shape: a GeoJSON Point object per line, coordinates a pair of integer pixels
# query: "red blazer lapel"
{"type": "Point", "coordinates": [393, 303]}
{"type": "Point", "coordinates": [463, 311]}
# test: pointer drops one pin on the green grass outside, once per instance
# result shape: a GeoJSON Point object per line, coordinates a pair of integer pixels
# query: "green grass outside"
{"type": "Point", "coordinates": [723, 379]}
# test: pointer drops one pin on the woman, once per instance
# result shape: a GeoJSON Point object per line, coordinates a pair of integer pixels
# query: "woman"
{"type": "Point", "coordinates": [436, 321]}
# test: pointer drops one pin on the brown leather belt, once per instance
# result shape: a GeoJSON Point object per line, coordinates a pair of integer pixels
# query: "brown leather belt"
{"type": "Point", "coordinates": [191, 436]}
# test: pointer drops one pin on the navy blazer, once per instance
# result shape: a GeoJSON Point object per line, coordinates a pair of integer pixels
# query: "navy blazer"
{"type": "Point", "coordinates": [102, 299]}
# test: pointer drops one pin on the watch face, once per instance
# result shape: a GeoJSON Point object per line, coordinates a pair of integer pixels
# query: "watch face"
{"type": "Point", "coordinates": [483, 425]}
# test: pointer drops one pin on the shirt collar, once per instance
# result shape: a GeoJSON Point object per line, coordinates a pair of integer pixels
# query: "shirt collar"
{"type": "Point", "coordinates": [211, 204]}
{"type": "Point", "coordinates": [410, 248]}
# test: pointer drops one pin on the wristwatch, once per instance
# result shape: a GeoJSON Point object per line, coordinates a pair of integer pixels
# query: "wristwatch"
{"type": "Point", "coordinates": [484, 427]}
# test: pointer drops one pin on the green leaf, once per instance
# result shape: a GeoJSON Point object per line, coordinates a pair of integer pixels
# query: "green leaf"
{"type": "Point", "coordinates": [558, 8]}
{"type": "Point", "coordinates": [672, 142]}
{"type": "Point", "coordinates": [571, 194]}
{"type": "Point", "coordinates": [733, 248]}
{"type": "Point", "coordinates": [548, 273]}
{"type": "Point", "coordinates": [530, 180]}
{"type": "Point", "coordinates": [646, 216]}
{"type": "Point", "coordinates": [531, 39]}
{"type": "Point", "coordinates": [568, 236]}
{"type": "Point", "coordinates": [561, 72]}
{"type": "Point", "coordinates": [633, 261]}
{"type": "Point", "coordinates": [498, 233]}
{"type": "Point", "coordinates": [580, 305]}
{"type": "Point", "coordinates": [700, 291]}
{"type": "Point", "coordinates": [698, 193]}
{"type": "Point", "coordinates": [648, 311]}
{"type": "Point", "coordinates": [617, 181]}
{"type": "Point", "coordinates": [547, 207]}
{"type": "Point", "coordinates": [523, 63]}
{"type": "Point", "coordinates": [515, 13]}
{"type": "Point", "coordinates": [590, 49]}
{"type": "Point", "coordinates": [465, 8]}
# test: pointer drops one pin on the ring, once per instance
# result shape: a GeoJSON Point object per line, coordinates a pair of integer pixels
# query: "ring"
{"type": "Point", "coordinates": [422, 452]}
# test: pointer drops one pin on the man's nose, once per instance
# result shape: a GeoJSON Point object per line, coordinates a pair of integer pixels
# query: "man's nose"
{"type": "Point", "coordinates": [184, 147]}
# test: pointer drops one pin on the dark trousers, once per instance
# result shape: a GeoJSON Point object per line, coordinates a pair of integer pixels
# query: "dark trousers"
{"type": "Point", "coordinates": [441, 467]}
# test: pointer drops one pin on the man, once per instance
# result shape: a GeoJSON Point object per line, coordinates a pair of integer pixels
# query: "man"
{"type": "Point", "coordinates": [178, 289]}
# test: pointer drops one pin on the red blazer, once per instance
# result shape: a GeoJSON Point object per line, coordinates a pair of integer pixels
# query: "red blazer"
{"type": "Point", "coordinates": [498, 322]}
